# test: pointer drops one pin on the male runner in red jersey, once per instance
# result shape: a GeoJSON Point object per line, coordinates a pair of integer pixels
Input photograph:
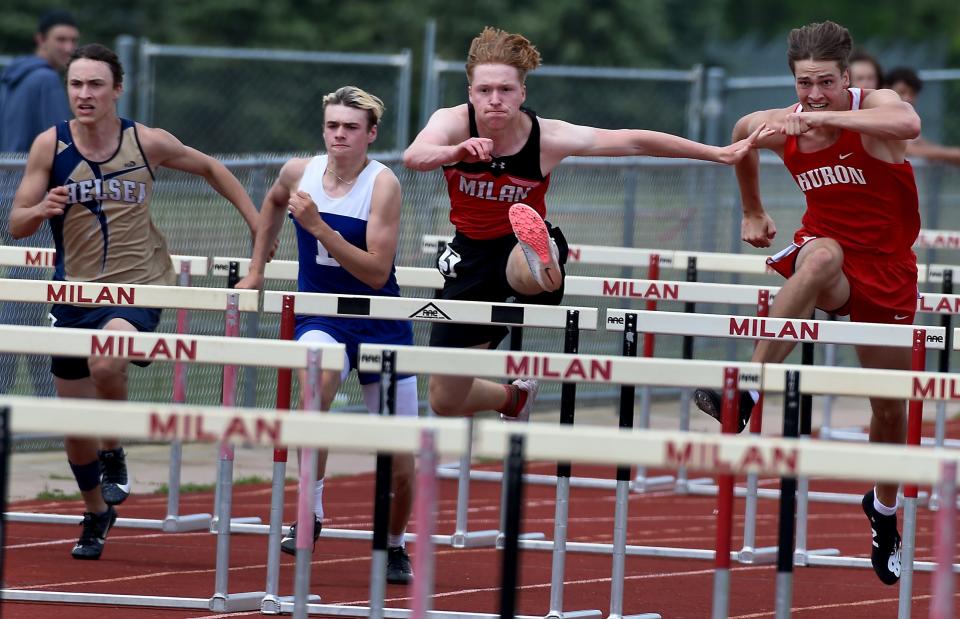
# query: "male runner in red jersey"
{"type": "Point", "coordinates": [852, 255]}
{"type": "Point", "coordinates": [494, 154]}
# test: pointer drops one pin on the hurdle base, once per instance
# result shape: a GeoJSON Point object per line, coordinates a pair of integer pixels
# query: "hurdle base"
{"type": "Point", "coordinates": [183, 524]}
{"type": "Point", "coordinates": [271, 604]}
{"type": "Point", "coordinates": [572, 614]}
{"type": "Point", "coordinates": [17, 595]}
{"type": "Point", "coordinates": [682, 486]}
{"type": "Point", "coordinates": [864, 562]}
{"type": "Point", "coordinates": [765, 555]}
{"type": "Point", "coordinates": [37, 518]}
{"type": "Point", "coordinates": [803, 557]}
{"type": "Point", "coordinates": [242, 520]}
{"type": "Point", "coordinates": [236, 602]}
{"type": "Point", "coordinates": [643, 616]}
{"type": "Point", "coordinates": [652, 484]}
{"type": "Point", "coordinates": [523, 537]}
{"type": "Point", "coordinates": [474, 539]}
{"type": "Point", "coordinates": [335, 610]}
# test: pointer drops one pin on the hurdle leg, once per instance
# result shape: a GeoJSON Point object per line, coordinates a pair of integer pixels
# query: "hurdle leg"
{"type": "Point", "coordinates": [788, 503]}
{"type": "Point", "coordinates": [749, 553]}
{"type": "Point", "coordinates": [945, 542]}
{"type": "Point", "coordinates": [940, 435]}
{"type": "Point", "coordinates": [221, 600]}
{"type": "Point", "coordinates": [801, 553]}
{"type": "Point", "coordinates": [174, 522]}
{"type": "Point", "coordinates": [462, 537]}
{"type": "Point", "coordinates": [908, 539]}
{"type": "Point", "coordinates": [721, 572]}
{"type": "Point", "coordinates": [426, 516]}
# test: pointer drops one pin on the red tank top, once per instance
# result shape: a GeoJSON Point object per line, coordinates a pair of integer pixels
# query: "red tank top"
{"type": "Point", "coordinates": [865, 204]}
{"type": "Point", "coordinates": [482, 193]}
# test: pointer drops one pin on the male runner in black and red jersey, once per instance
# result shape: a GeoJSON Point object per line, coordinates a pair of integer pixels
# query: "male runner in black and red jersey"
{"type": "Point", "coordinates": [497, 157]}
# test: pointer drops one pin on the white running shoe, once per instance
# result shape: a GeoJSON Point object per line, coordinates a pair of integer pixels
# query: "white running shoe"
{"type": "Point", "coordinates": [532, 387]}
{"type": "Point", "coordinates": [539, 248]}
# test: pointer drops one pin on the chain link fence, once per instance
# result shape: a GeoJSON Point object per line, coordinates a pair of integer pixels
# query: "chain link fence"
{"type": "Point", "coordinates": [641, 202]}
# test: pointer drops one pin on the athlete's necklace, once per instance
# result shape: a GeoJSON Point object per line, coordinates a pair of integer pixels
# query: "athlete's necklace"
{"type": "Point", "coordinates": [341, 179]}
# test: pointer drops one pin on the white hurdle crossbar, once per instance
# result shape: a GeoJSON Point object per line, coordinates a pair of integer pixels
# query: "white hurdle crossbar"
{"type": "Point", "coordinates": [139, 295]}
{"type": "Point", "coordinates": [430, 310]}
{"type": "Point", "coordinates": [45, 257]}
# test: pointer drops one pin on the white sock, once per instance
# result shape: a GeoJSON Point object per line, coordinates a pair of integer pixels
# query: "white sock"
{"type": "Point", "coordinates": [881, 508]}
{"type": "Point", "coordinates": [396, 541]}
{"type": "Point", "coordinates": [318, 499]}
{"type": "Point", "coordinates": [755, 395]}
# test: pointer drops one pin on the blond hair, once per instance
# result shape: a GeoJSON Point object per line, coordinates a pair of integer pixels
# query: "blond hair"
{"type": "Point", "coordinates": [357, 98]}
{"type": "Point", "coordinates": [495, 46]}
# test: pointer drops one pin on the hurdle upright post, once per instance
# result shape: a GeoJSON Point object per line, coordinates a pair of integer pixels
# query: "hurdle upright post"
{"type": "Point", "coordinates": [910, 491]}
{"type": "Point", "coordinates": [513, 508]}
{"type": "Point", "coordinates": [788, 502]}
{"type": "Point", "coordinates": [749, 553]}
{"type": "Point", "coordinates": [685, 393]}
{"type": "Point", "coordinates": [425, 512]}
{"type": "Point", "coordinates": [308, 478]}
{"type": "Point", "coordinates": [381, 507]}
{"type": "Point", "coordinates": [945, 542]}
{"type": "Point", "coordinates": [641, 482]}
{"type": "Point", "coordinates": [221, 600]}
{"type": "Point", "coordinates": [568, 396]}
{"type": "Point", "coordinates": [721, 572]}
{"type": "Point", "coordinates": [803, 484]}
{"type": "Point", "coordinates": [172, 519]}
{"type": "Point", "coordinates": [271, 601]}
{"type": "Point", "coordinates": [943, 365]}
{"type": "Point", "coordinates": [4, 477]}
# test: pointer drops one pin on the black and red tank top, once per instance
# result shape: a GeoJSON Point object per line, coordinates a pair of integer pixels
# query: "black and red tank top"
{"type": "Point", "coordinates": [482, 193]}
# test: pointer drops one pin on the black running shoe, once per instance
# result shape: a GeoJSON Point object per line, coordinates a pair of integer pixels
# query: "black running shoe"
{"type": "Point", "coordinates": [114, 483]}
{"type": "Point", "coordinates": [710, 402]}
{"type": "Point", "coordinates": [399, 571]}
{"type": "Point", "coordinates": [885, 554]}
{"type": "Point", "coordinates": [94, 535]}
{"type": "Point", "coordinates": [288, 543]}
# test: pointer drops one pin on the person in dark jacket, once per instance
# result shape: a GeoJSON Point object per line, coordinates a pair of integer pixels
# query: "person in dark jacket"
{"type": "Point", "coordinates": [32, 98]}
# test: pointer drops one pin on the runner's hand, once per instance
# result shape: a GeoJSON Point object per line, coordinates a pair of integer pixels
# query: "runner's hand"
{"type": "Point", "coordinates": [54, 203]}
{"type": "Point", "coordinates": [473, 150]}
{"type": "Point", "coordinates": [733, 153]}
{"type": "Point", "coordinates": [758, 230]}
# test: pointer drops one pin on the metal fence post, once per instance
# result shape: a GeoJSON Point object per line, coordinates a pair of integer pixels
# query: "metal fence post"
{"type": "Point", "coordinates": [126, 51]}
{"type": "Point", "coordinates": [428, 102]}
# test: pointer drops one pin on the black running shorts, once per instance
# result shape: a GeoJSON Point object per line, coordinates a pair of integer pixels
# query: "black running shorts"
{"type": "Point", "coordinates": [145, 319]}
{"type": "Point", "coordinates": [477, 271]}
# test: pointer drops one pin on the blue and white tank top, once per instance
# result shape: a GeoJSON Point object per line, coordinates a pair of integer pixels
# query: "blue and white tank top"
{"type": "Point", "coordinates": [348, 216]}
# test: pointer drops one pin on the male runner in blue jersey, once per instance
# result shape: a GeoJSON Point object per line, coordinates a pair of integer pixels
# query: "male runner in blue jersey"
{"type": "Point", "coordinates": [346, 209]}
{"type": "Point", "coordinates": [92, 178]}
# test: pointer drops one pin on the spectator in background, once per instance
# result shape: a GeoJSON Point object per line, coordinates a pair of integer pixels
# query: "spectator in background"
{"type": "Point", "coordinates": [906, 83]}
{"type": "Point", "coordinates": [865, 70]}
{"type": "Point", "coordinates": [32, 98]}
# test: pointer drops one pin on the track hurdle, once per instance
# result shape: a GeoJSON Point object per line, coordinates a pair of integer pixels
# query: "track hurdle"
{"type": "Point", "coordinates": [841, 381]}
{"type": "Point", "coordinates": [221, 350]}
{"type": "Point", "coordinates": [571, 319]}
{"type": "Point", "coordinates": [807, 331]}
{"type": "Point", "coordinates": [165, 297]}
